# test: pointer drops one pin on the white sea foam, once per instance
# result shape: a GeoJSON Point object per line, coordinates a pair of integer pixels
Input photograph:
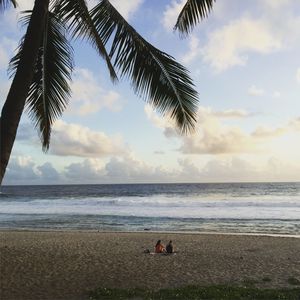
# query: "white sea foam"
{"type": "Point", "coordinates": [263, 207]}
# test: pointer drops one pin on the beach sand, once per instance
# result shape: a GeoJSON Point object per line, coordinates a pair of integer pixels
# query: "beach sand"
{"type": "Point", "coordinates": [66, 265]}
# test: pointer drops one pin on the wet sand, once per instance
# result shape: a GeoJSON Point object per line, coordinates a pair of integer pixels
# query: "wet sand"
{"type": "Point", "coordinates": [66, 265]}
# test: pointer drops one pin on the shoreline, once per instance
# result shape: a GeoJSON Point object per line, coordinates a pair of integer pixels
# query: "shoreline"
{"type": "Point", "coordinates": [68, 264]}
{"type": "Point", "coordinates": [279, 235]}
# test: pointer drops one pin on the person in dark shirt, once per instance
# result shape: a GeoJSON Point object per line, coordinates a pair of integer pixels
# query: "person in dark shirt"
{"type": "Point", "coordinates": [170, 248]}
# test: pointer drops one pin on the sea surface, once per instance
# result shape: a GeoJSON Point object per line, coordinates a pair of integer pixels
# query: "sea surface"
{"type": "Point", "coordinates": [267, 208]}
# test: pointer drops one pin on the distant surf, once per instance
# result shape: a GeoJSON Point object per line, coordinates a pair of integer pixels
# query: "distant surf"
{"type": "Point", "coordinates": [265, 208]}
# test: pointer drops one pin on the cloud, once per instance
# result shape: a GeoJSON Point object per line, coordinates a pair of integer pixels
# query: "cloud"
{"type": "Point", "coordinates": [75, 140]}
{"type": "Point", "coordinates": [125, 8]}
{"type": "Point", "coordinates": [232, 43]}
{"type": "Point", "coordinates": [90, 170]}
{"type": "Point", "coordinates": [129, 169]}
{"type": "Point", "coordinates": [213, 139]}
{"type": "Point", "coordinates": [4, 88]}
{"type": "Point", "coordinates": [20, 169]}
{"type": "Point", "coordinates": [267, 132]}
{"type": "Point", "coordinates": [255, 91]}
{"type": "Point", "coordinates": [298, 75]}
{"type": "Point", "coordinates": [171, 13]}
{"type": "Point", "coordinates": [159, 152]}
{"type": "Point", "coordinates": [194, 50]}
{"type": "Point", "coordinates": [23, 170]}
{"type": "Point", "coordinates": [48, 173]}
{"type": "Point", "coordinates": [276, 94]}
{"type": "Point", "coordinates": [276, 5]}
{"type": "Point", "coordinates": [3, 58]}
{"type": "Point", "coordinates": [213, 136]}
{"type": "Point", "coordinates": [89, 97]}
{"type": "Point", "coordinates": [230, 113]}
{"type": "Point", "coordinates": [25, 5]}
{"type": "Point", "coordinates": [7, 47]}
{"type": "Point", "coordinates": [295, 124]}
{"type": "Point", "coordinates": [237, 39]}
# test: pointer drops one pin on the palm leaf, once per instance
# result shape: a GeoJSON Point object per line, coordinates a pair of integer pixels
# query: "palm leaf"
{"type": "Point", "coordinates": [76, 14]}
{"type": "Point", "coordinates": [49, 91]}
{"type": "Point", "coordinates": [6, 3]}
{"type": "Point", "coordinates": [192, 12]}
{"type": "Point", "coordinates": [155, 75]}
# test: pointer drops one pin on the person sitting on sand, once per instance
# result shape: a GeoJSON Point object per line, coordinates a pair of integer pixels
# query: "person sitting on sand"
{"type": "Point", "coordinates": [159, 247]}
{"type": "Point", "coordinates": [170, 248]}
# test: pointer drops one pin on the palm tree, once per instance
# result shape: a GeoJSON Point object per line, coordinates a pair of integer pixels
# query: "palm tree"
{"type": "Point", "coordinates": [43, 65]}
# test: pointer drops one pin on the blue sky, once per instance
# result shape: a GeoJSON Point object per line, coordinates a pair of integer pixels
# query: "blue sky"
{"type": "Point", "coordinates": [244, 60]}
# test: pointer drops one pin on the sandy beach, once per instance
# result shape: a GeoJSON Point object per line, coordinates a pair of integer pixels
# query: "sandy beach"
{"type": "Point", "coordinates": [66, 265]}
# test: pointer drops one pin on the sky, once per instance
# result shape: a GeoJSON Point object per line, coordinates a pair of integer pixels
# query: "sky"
{"type": "Point", "coordinates": [245, 64]}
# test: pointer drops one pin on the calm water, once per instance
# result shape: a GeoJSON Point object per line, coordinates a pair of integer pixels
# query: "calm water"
{"type": "Point", "coordinates": [229, 207]}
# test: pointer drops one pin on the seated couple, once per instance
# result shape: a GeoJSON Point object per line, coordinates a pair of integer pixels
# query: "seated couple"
{"type": "Point", "coordinates": [160, 248]}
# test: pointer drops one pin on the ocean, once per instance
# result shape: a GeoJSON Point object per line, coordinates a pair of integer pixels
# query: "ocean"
{"type": "Point", "coordinates": [264, 208]}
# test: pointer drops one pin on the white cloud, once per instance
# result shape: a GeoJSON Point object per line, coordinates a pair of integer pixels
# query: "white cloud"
{"type": "Point", "coordinates": [171, 13]}
{"type": "Point", "coordinates": [214, 137]}
{"type": "Point", "coordinates": [237, 40]}
{"type": "Point", "coordinates": [90, 170]}
{"type": "Point", "coordinates": [4, 88]}
{"type": "Point", "coordinates": [295, 124]}
{"type": "Point", "coordinates": [276, 94]}
{"type": "Point", "coordinates": [255, 91]}
{"type": "Point", "coordinates": [231, 113]}
{"type": "Point", "coordinates": [20, 169]}
{"type": "Point", "coordinates": [25, 5]}
{"type": "Point", "coordinates": [298, 75]}
{"type": "Point", "coordinates": [126, 8]}
{"type": "Point", "coordinates": [48, 172]}
{"type": "Point", "coordinates": [268, 132]}
{"type": "Point", "coordinates": [194, 50]}
{"type": "Point", "coordinates": [7, 47]}
{"type": "Point", "coordinates": [89, 97]}
{"type": "Point", "coordinates": [76, 140]}
{"type": "Point", "coordinates": [129, 169]}
{"type": "Point", "coordinates": [232, 43]}
{"type": "Point", "coordinates": [278, 4]}
{"type": "Point", "coordinates": [3, 58]}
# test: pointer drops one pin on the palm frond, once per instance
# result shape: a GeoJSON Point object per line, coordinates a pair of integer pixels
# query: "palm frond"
{"type": "Point", "coordinates": [192, 12]}
{"type": "Point", "coordinates": [49, 91]}
{"type": "Point", "coordinates": [155, 75]}
{"type": "Point", "coordinates": [4, 4]}
{"type": "Point", "coordinates": [76, 14]}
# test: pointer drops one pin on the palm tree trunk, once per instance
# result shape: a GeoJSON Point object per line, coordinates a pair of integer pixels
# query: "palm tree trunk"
{"type": "Point", "coordinates": [15, 101]}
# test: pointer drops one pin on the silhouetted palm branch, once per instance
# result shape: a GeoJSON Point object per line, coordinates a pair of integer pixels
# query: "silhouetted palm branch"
{"type": "Point", "coordinates": [155, 75]}
{"type": "Point", "coordinates": [76, 13]}
{"type": "Point", "coordinates": [6, 3]}
{"type": "Point", "coordinates": [49, 91]}
{"type": "Point", "coordinates": [192, 12]}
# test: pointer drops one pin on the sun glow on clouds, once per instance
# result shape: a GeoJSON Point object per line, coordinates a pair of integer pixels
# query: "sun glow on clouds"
{"type": "Point", "coordinates": [214, 137]}
{"type": "Point", "coordinates": [76, 140]}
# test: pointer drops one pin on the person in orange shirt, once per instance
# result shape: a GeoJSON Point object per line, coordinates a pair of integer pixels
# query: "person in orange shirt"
{"type": "Point", "coordinates": [159, 247]}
